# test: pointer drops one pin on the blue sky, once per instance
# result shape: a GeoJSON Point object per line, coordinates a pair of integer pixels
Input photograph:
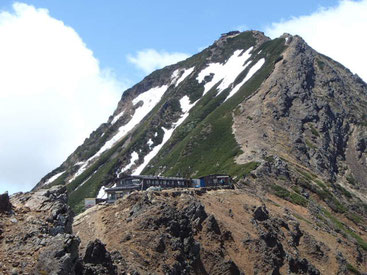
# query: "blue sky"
{"type": "Point", "coordinates": [64, 64]}
{"type": "Point", "coordinates": [113, 29]}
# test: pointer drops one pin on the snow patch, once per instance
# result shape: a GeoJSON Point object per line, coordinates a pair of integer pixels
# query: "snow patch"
{"type": "Point", "coordinates": [154, 152]}
{"type": "Point", "coordinates": [250, 73]}
{"type": "Point", "coordinates": [226, 72]}
{"type": "Point", "coordinates": [134, 157]}
{"type": "Point", "coordinates": [149, 99]}
{"type": "Point", "coordinates": [80, 185]}
{"type": "Point", "coordinates": [150, 142]}
{"type": "Point", "coordinates": [185, 107]}
{"type": "Point", "coordinates": [102, 194]}
{"type": "Point", "coordinates": [174, 75]}
{"type": "Point", "coordinates": [53, 178]}
{"type": "Point", "coordinates": [116, 118]}
{"type": "Point", "coordinates": [185, 74]}
{"type": "Point", "coordinates": [80, 171]}
{"type": "Point", "coordinates": [185, 104]}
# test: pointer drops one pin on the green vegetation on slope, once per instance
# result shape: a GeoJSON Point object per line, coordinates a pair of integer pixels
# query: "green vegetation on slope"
{"type": "Point", "coordinates": [283, 193]}
{"type": "Point", "coordinates": [205, 144]}
{"type": "Point", "coordinates": [90, 188]}
{"type": "Point", "coordinates": [87, 184]}
{"type": "Point", "coordinates": [341, 226]}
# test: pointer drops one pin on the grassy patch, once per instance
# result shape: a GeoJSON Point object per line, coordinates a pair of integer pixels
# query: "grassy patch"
{"type": "Point", "coordinates": [298, 199]}
{"type": "Point", "coordinates": [306, 174]}
{"type": "Point", "coordinates": [346, 230]}
{"type": "Point", "coordinates": [351, 179]}
{"type": "Point", "coordinates": [325, 195]}
{"type": "Point", "coordinates": [354, 217]}
{"type": "Point", "coordinates": [337, 206]}
{"type": "Point", "coordinates": [334, 203]}
{"type": "Point", "coordinates": [344, 191]}
{"type": "Point", "coordinates": [352, 269]}
{"type": "Point", "coordinates": [280, 191]}
{"type": "Point", "coordinates": [302, 218]}
{"type": "Point", "coordinates": [249, 167]}
{"type": "Point", "coordinates": [283, 193]}
{"type": "Point", "coordinates": [320, 184]}
{"type": "Point", "coordinates": [320, 64]}
{"type": "Point", "coordinates": [283, 178]}
{"type": "Point", "coordinates": [310, 144]}
{"type": "Point", "coordinates": [296, 189]}
{"type": "Point", "coordinates": [314, 131]}
{"type": "Point", "coordinates": [269, 159]}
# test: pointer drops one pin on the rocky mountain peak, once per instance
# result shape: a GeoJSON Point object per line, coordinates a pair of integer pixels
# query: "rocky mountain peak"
{"type": "Point", "coordinates": [287, 123]}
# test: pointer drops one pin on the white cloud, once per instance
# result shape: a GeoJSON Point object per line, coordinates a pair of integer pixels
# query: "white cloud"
{"type": "Point", "coordinates": [338, 32]}
{"type": "Point", "coordinates": [242, 28]}
{"type": "Point", "coordinates": [149, 60]}
{"type": "Point", "coordinates": [53, 93]}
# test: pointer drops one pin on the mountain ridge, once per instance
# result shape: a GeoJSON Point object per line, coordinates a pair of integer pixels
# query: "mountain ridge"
{"type": "Point", "coordinates": [286, 122]}
{"type": "Point", "coordinates": [188, 119]}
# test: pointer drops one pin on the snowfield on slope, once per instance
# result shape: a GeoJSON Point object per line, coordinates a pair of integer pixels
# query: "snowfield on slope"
{"type": "Point", "coordinates": [53, 178]}
{"type": "Point", "coordinates": [185, 107]}
{"type": "Point", "coordinates": [226, 72]}
{"type": "Point", "coordinates": [185, 74]}
{"type": "Point", "coordinates": [250, 73]}
{"type": "Point", "coordinates": [149, 99]}
{"type": "Point", "coordinates": [134, 157]}
{"type": "Point", "coordinates": [117, 117]}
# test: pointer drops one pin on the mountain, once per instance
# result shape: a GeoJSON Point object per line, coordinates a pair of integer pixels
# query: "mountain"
{"type": "Point", "coordinates": [245, 103]}
{"type": "Point", "coordinates": [286, 122]}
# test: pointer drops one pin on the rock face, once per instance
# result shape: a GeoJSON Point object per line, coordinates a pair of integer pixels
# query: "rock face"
{"type": "Point", "coordinates": [5, 205]}
{"type": "Point", "coordinates": [97, 260]}
{"type": "Point", "coordinates": [59, 256]}
{"type": "Point", "coordinates": [36, 237]}
{"type": "Point", "coordinates": [182, 232]}
{"type": "Point", "coordinates": [261, 213]}
{"type": "Point", "coordinates": [303, 113]}
{"type": "Point", "coordinates": [178, 232]}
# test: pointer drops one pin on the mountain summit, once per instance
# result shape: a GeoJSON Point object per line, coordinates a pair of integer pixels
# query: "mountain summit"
{"type": "Point", "coordinates": [288, 124]}
{"type": "Point", "coordinates": [245, 105]}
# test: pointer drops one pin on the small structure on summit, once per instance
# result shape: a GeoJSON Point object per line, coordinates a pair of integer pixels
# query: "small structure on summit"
{"type": "Point", "coordinates": [231, 33]}
{"type": "Point", "coordinates": [215, 180]}
{"type": "Point", "coordinates": [130, 183]}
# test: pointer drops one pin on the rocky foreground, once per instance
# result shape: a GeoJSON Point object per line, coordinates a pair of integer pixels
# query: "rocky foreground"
{"type": "Point", "coordinates": [220, 232]}
{"type": "Point", "coordinates": [242, 231]}
{"type": "Point", "coordinates": [36, 236]}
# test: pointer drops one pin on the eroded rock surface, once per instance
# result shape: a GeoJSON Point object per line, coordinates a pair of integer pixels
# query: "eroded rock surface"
{"type": "Point", "coordinates": [36, 236]}
{"type": "Point", "coordinates": [184, 232]}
